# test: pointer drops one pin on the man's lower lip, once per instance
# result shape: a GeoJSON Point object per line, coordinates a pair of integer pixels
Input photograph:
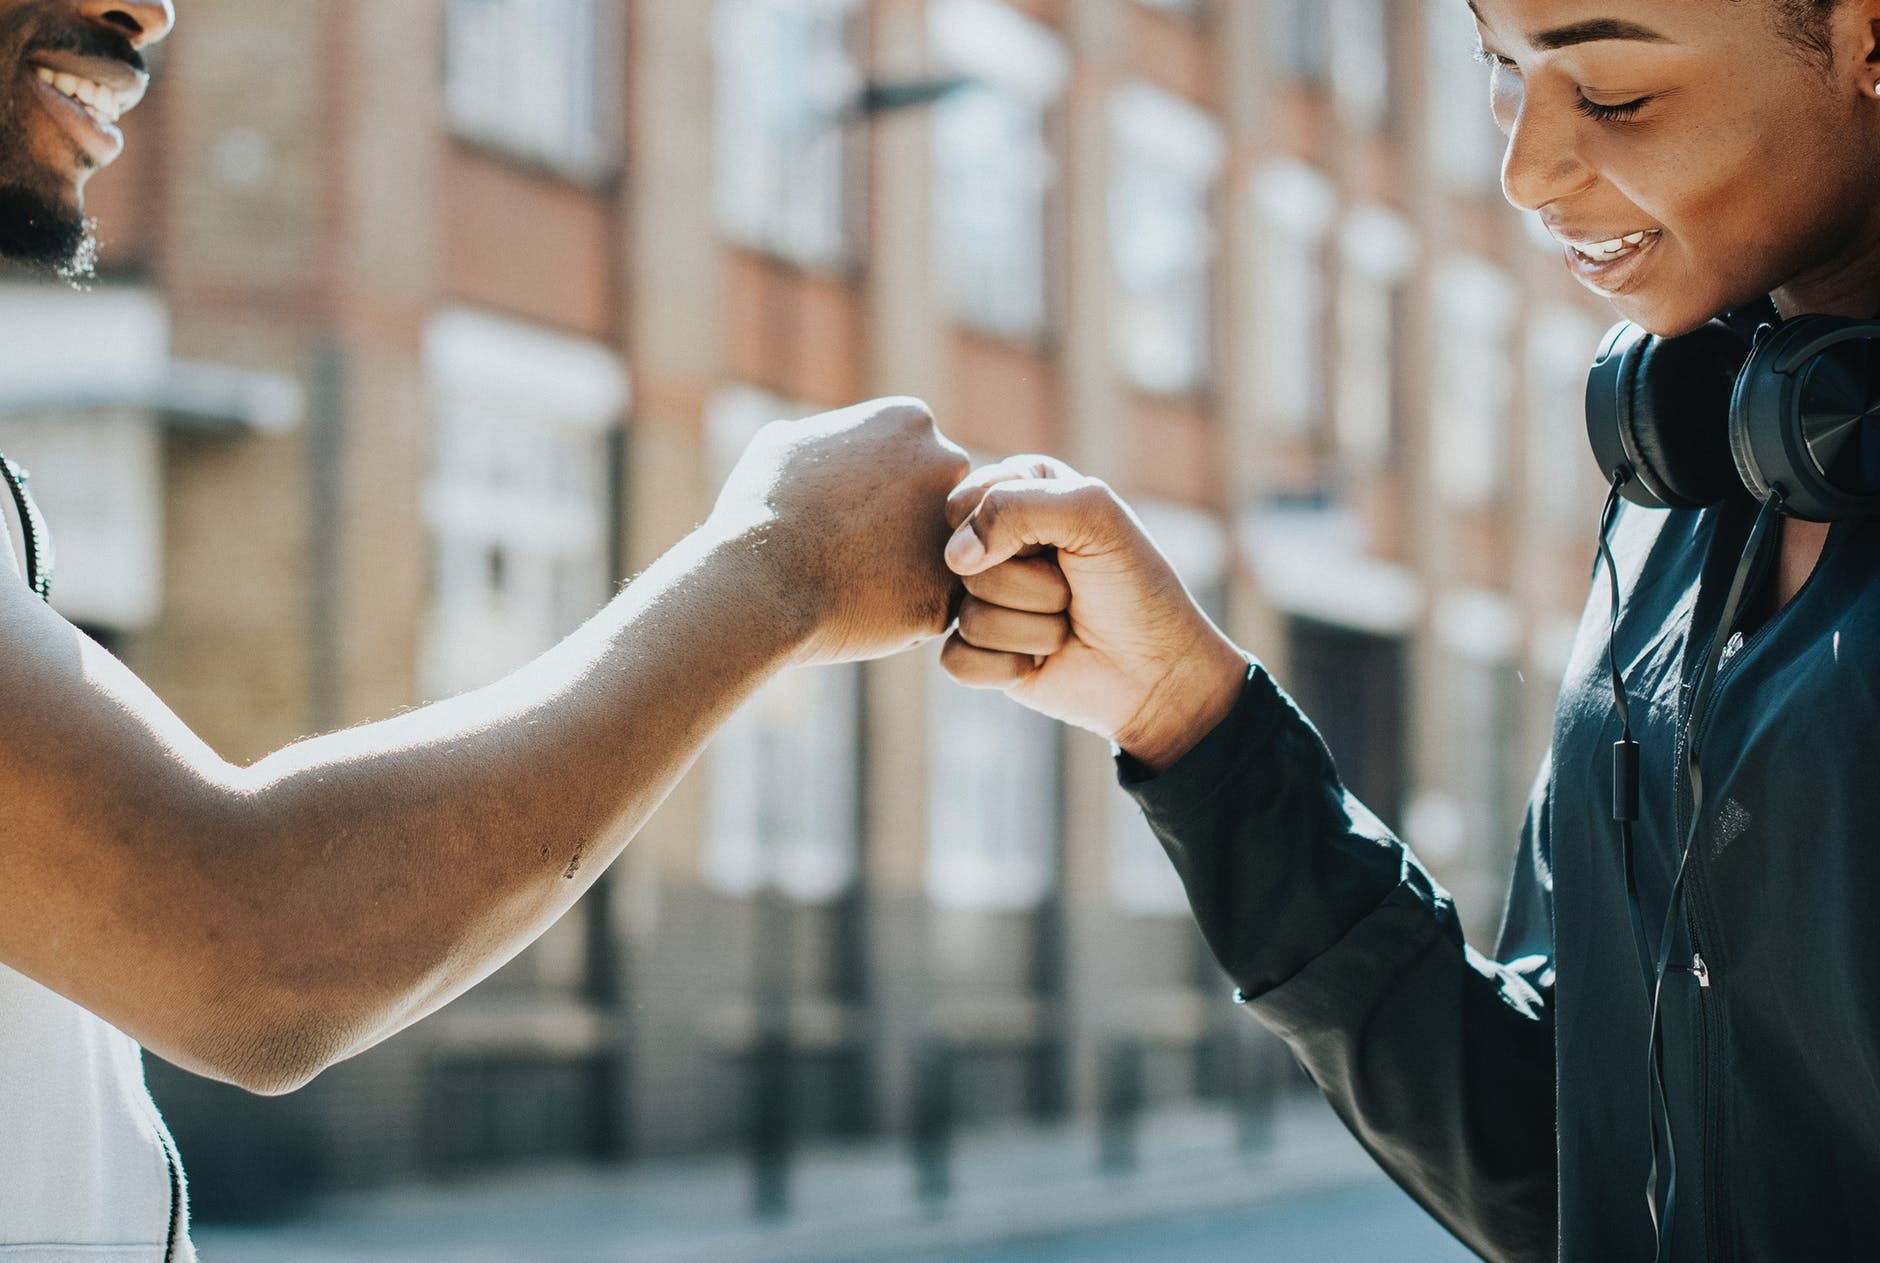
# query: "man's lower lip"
{"type": "Point", "coordinates": [101, 142]}
{"type": "Point", "coordinates": [1613, 277]}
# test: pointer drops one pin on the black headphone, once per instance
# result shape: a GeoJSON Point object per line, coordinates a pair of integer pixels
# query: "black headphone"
{"type": "Point", "coordinates": [1796, 395]}
{"type": "Point", "coordinates": [1802, 399]}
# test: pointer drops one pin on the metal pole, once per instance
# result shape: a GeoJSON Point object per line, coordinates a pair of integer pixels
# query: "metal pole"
{"type": "Point", "coordinates": [932, 1129]}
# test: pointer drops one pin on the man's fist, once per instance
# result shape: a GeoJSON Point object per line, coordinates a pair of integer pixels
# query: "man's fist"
{"type": "Point", "coordinates": [1073, 611]}
{"type": "Point", "coordinates": [846, 513]}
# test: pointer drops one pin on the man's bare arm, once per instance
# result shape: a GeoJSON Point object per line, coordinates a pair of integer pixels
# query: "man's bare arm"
{"type": "Point", "coordinates": [256, 924]}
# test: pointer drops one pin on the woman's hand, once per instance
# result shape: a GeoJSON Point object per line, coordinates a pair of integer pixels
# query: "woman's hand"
{"type": "Point", "coordinates": [1072, 610]}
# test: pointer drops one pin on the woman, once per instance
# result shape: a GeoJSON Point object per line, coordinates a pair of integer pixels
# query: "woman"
{"type": "Point", "coordinates": [1692, 157]}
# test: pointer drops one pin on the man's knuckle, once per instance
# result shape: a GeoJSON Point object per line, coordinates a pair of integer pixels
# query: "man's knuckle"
{"type": "Point", "coordinates": [908, 411]}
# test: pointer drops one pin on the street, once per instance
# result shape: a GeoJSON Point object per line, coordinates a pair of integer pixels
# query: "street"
{"type": "Point", "coordinates": [1375, 1224]}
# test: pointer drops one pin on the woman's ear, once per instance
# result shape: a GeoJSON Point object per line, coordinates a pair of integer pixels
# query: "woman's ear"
{"type": "Point", "coordinates": [1858, 23]}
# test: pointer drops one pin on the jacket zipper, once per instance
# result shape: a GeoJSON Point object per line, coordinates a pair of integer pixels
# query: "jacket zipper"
{"type": "Point", "coordinates": [1696, 918]}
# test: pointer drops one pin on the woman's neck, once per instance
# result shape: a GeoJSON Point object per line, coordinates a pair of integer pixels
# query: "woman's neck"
{"type": "Point", "coordinates": [1848, 285]}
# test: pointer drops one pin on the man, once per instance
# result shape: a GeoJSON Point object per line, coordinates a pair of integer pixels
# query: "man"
{"type": "Point", "coordinates": [257, 924]}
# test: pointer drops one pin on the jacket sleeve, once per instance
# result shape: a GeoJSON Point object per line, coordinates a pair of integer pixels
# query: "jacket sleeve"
{"type": "Point", "coordinates": [1440, 1061]}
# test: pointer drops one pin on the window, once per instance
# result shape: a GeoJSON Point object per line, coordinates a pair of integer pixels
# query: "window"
{"type": "Point", "coordinates": [1360, 61]}
{"type": "Point", "coordinates": [1469, 817]}
{"type": "Point", "coordinates": [785, 770]}
{"type": "Point", "coordinates": [1142, 881]}
{"type": "Point", "coordinates": [992, 795]}
{"type": "Point", "coordinates": [518, 496]}
{"type": "Point", "coordinates": [1563, 480]}
{"type": "Point", "coordinates": [1465, 144]}
{"type": "Point", "coordinates": [784, 73]}
{"type": "Point", "coordinates": [528, 76]}
{"type": "Point", "coordinates": [1166, 157]}
{"type": "Point", "coordinates": [785, 788]}
{"type": "Point", "coordinates": [1293, 206]}
{"type": "Point", "coordinates": [1472, 387]}
{"type": "Point", "coordinates": [1299, 37]}
{"type": "Point", "coordinates": [1354, 687]}
{"type": "Point", "coordinates": [993, 166]}
{"type": "Point", "coordinates": [1377, 250]}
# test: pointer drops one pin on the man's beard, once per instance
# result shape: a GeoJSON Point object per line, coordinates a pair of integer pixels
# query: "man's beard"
{"type": "Point", "coordinates": [40, 229]}
{"type": "Point", "coordinates": [39, 234]}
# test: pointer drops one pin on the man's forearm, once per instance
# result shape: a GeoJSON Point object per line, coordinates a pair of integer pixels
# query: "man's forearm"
{"type": "Point", "coordinates": [257, 923]}
{"type": "Point", "coordinates": [353, 882]}
{"type": "Point", "coordinates": [426, 850]}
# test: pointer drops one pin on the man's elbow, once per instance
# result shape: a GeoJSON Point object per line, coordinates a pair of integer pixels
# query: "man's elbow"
{"type": "Point", "coordinates": [275, 1055]}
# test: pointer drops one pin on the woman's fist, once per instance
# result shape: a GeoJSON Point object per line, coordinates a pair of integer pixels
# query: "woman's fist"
{"type": "Point", "coordinates": [1072, 610]}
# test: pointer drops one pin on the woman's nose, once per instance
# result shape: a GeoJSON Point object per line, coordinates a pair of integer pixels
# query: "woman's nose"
{"type": "Point", "coordinates": [1542, 163]}
{"type": "Point", "coordinates": [142, 22]}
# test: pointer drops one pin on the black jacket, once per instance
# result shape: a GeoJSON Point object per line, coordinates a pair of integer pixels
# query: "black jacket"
{"type": "Point", "coordinates": [1509, 1096]}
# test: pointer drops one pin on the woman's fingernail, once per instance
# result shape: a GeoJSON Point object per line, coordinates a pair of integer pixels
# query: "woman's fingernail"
{"type": "Point", "coordinates": [965, 548]}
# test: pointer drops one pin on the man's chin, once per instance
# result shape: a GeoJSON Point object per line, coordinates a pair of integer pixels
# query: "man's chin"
{"type": "Point", "coordinates": [41, 235]}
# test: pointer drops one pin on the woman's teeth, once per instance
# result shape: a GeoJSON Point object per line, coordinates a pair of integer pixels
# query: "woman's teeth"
{"type": "Point", "coordinates": [98, 101]}
{"type": "Point", "coordinates": [1607, 251]}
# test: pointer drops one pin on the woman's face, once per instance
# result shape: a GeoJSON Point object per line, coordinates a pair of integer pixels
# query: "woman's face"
{"type": "Point", "coordinates": [1689, 156]}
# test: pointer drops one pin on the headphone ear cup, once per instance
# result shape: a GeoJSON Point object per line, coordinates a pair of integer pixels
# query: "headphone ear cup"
{"type": "Point", "coordinates": [1657, 407]}
{"type": "Point", "coordinates": [1805, 418]}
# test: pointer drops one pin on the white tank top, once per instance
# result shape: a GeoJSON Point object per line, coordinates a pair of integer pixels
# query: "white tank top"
{"type": "Point", "coordinates": [87, 1169]}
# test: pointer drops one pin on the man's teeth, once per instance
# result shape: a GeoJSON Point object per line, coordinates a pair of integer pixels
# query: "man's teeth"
{"type": "Point", "coordinates": [99, 101]}
{"type": "Point", "coordinates": [1607, 251]}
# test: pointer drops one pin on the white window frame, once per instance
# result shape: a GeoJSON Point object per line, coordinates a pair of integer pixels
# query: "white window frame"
{"type": "Point", "coordinates": [784, 789]}
{"type": "Point", "coordinates": [1360, 61]}
{"type": "Point", "coordinates": [1480, 633]}
{"type": "Point", "coordinates": [1198, 545]}
{"type": "Point", "coordinates": [994, 170]}
{"type": "Point", "coordinates": [1562, 476]}
{"type": "Point", "coordinates": [78, 375]}
{"type": "Point", "coordinates": [1294, 207]}
{"type": "Point", "coordinates": [1472, 388]}
{"type": "Point", "coordinates": [784, 772]}
{"type": "Point", "coordinates": [1465, 145]}
{"type": "Point", "coordinates": [780, 150]}
{"type": "Point", "coordinates": [1187, 8]}
{"type": "Point", "coordinates": [534, 78]}
{"type": "Point", "coordinates": [1299, 38]}
{"type": "Point", "coordinates": [1377, 250]}
{"type": "Point", "coordinates": [994, 814]}
{"type": "Point", "coordinates": [520, 423]}
{"type": "Point", "coordinates": [1166, 157]}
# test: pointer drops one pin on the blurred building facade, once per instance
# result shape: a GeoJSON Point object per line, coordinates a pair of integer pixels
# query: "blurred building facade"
{"type": "Point", "coordinates": [423, 325]}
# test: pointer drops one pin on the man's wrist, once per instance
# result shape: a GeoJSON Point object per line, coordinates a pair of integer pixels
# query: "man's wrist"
{"type": "Point", "coordinates": [755, 561]}
{"type": "Point", "coordinates": [1189, 704]}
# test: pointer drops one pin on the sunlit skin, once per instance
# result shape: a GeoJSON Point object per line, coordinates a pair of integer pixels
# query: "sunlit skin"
{"type": "Point", "coordinates": [257, 923]}
{"type": "Point", "coordinates": [1755, 160]}
{"type": "Point", "coordinates": [1750, 162]}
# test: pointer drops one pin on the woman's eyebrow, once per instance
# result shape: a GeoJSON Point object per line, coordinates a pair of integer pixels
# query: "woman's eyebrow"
{"type": "Point", "coordinates": [1590, 31]}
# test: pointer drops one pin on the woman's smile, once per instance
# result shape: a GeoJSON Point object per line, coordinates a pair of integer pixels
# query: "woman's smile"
{"type": "Point", "coordinates": [1743, 131]}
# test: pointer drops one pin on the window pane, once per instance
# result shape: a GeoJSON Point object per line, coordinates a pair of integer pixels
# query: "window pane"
{"type": "Point", "coordinates": [783, 74]}
{"type": "Point", "coordinates": [1165, 157]}
{"type": "Point", "coordinates": [519, 558]}
{"type": "Point", "coordinates": [525, 75]}
{"type": "Point", "coordinates": [992, 792]}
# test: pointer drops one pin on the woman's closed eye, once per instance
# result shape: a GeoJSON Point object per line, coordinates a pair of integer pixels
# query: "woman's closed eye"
{"type": "Point", "coordinates": [1621, 113]}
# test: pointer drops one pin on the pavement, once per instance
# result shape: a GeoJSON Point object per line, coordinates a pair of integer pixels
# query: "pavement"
{"type": "Point", "coordinates": [1030, 1194]}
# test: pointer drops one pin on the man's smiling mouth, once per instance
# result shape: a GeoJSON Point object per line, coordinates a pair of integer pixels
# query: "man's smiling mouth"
{"type": "Point", "coordinates": [102, 103]}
